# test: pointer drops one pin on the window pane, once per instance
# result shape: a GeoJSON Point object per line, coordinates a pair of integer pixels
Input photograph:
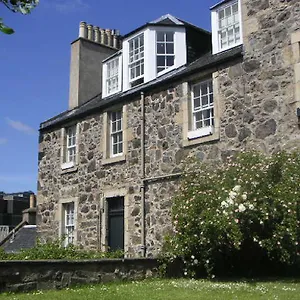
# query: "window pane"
{"type": "Point", "coordinates": [170, 48]}
{"type": "Point", "coordinates": [160, 60]}
{"type": "Point", "coordinates": [227, 12]}
{"type": "Point", "coordinates": [160, 36]}
{"type": "Point", "coordinates": [120, 137]}
{"type": "Point", "coordinates": [235, 8]}
{"type": "Point", "coordinates": [196, 103]}
{"type": "Point", "coordinates": [204, 101]}
{"type": "Point", "coordinates": [204, 89]}
{"type": "Point", "coordinates": [170, 61]}
{"type": "Point", "coordinates": [170, 36]}
{"type": "Point", "coordinates": [196, 90]}
{"type": "Point", "coordinates": [115, 149]}
{"type": "Point", "coordinates": [206, 114]}
{"type": "Point", "coordinates": [221, 14]}
{"type": "Point", "coordinates": [198, 116]}
{"type": "Point", "coordinates": [119, 125]}
{"type": "Point", "coordinates": [161, 48]}
{"type": "Point", "coordinates": [120, 148]}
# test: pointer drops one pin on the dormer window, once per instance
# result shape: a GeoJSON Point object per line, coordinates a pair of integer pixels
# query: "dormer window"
{"type": "Point", "coordinates": [165, 54]}
{"type": "Point", "coordinates": [136, 60]}
{"type": "Point", "coordinates": [112, 76]}
{"type": "Point", "coordinates": [226, 26]}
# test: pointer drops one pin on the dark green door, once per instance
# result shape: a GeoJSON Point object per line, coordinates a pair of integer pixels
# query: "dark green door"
{"type": "Point", "coordinates": [116, 223]}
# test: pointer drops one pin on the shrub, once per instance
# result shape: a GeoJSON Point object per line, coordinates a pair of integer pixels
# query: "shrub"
{"type": "Point", "coordinates": [55, 250]}
{"type": "Point", "coordinates": [238, 215]}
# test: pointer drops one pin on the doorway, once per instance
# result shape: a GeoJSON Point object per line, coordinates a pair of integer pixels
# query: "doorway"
{"type": "Point", "coordinates": [115, 223]}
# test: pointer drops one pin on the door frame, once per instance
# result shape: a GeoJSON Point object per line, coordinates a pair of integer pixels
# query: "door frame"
{"type": "Point", "coordinates": [107, 194]}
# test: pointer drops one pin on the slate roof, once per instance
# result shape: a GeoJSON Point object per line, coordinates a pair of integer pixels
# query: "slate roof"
{"type": "Point", "coordinates": [204, 62]}
{"type": "Point", "coordinates": [24, 238]}
{"type": "Point", "coordinates": [167, 20]}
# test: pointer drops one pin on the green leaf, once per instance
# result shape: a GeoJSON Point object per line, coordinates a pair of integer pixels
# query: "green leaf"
{"type": "Point", "coordinates": [5, 29]}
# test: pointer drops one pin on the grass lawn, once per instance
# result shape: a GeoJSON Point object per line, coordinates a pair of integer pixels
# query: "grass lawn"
{"type": "Point", "coordinates": [172, 290]}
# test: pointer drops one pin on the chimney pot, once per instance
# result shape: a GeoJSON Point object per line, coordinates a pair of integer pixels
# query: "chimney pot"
{"type": "Point", "coordinates": [115, 41]}
{"type": "Point", "coordinates": [90, 32]}
{"type": "Point", "coordinates": [109, 37]}
{"type": "Point", "coordinates": [82, 30]}
{"type": "Point", "coordinates": [97, 34]}
{"type": "Point", "coordinates": [102, 36]}
{"type": "Point", "coordinates": [32, 201]}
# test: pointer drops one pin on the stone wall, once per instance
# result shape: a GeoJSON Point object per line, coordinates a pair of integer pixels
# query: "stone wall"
{"type": "Point", "coordinates": [23, 276]}
{"type": "Point", "coordinates": [256, 103]}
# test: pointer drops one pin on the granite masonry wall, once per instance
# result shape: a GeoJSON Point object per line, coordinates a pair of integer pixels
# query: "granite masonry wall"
{"type": "Point", "coordinates": [256, 99]}
{"type": "Point", "coordinates": [24, 276]}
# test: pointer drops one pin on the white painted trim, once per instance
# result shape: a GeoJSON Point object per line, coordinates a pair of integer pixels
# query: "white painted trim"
{"type": "Point", "coordinates": [150, 72]}
{"type": "Point", "coordinates": [168, 16]}
{"type": "Point", "coordinates": [180, 53]}
{"type": "Point", "coordinates": [67, 165]}
{"type": "Point", "coordinates": [61, 219]}
{"type": "Point", "coordinates": [215, 27]}
{"type": "Point", "coordinates": [64, 148]}
{"type": "Point", "coordinates": [104, 76]}
{"type": "Point", "coordinates": [200, 132]}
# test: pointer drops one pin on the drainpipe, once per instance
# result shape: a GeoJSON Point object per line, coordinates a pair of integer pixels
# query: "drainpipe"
{"type": "Point", "coordinates": [143, 213]}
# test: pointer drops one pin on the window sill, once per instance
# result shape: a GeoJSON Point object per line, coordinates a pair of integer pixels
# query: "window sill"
{"type": "Point", "coordinates": [218, 51]}
{"type": "Point", "coordinates": [68, 168]}
{"type": "Point", "coordinates": [205, 131]}
{"type": "Point", "coordinates": [195, 139]}
{"type": "Point", "coordinates": [112, 160]}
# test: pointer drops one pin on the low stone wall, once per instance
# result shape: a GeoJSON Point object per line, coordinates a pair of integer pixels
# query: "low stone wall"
{"type": "Point", "coordinates": [23, 276]}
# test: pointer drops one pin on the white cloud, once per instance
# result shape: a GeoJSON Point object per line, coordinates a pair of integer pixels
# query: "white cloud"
{"type": "Point", "coordinates": [3, 141]}
{"type": "Point", "coordinates": [20, 126]}
{"type": "Point", "coordinates": [66, 6]}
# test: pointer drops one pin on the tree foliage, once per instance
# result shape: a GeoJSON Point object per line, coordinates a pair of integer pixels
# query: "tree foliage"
{"type": "Point", "coordinates": [17, 6]}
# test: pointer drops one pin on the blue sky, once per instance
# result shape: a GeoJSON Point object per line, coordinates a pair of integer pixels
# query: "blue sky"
{"type": "Point", "coordinates": [35, 63]}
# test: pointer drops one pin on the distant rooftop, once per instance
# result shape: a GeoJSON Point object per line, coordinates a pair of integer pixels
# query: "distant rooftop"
{"type": "Point", "coordinates": [24, 238]}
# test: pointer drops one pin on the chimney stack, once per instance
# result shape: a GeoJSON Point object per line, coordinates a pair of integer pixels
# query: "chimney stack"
{"type": "Point", "coordinates": [29, 214]}
{"type": "Point", "coordinates": [87, 53]}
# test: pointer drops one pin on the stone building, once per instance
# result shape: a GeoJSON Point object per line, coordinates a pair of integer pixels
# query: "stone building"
{"type": "Point", "coordinates": [140, 104]}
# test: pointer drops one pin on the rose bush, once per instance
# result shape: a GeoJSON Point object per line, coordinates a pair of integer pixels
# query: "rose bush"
{"type": "Point", "coordinates": [237, 215]}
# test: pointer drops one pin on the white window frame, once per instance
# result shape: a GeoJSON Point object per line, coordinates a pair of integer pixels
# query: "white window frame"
{"type": "Point", "coordinates": [70, 146]}
{"type": "Point", "coordinates": [150, 63]}
{"type": "Point", "coordinates": [136, 59]}
{"type": "Point", "coordinates": [216, 38]}
{"type": "Point", "coordinates": [116, 132]}
{"type": "Point", "coordinates": [68, 229]}
{"type": "Point", "coordinates": [165, 55]}
{"type": "Point", "coordinates": [106, 78]}
{"type": "Point", "coordinates": [208, 129]}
